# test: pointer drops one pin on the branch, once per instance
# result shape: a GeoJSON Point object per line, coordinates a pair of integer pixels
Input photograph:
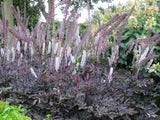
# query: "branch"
{"type": "Point", "coordinates": [18, 36]}
{"type": "Point", "coordinates": [42, 8]}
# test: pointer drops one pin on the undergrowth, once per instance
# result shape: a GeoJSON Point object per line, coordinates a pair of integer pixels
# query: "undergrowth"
{"type": "Point", "coordinates": [8, 112]}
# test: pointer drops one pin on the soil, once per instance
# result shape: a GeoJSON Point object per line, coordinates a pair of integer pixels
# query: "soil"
{"type": "Point", "coordinates": [84, 96]}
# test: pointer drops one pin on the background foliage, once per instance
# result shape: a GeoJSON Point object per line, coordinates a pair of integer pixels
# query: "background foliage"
{"type": "Point", "coordinates": [32, 10]}
{"type": "Point", "coordinates": [145, 15]}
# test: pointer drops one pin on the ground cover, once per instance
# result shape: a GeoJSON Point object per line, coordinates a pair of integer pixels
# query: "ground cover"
{"type": "Point", "coordinates": [84, 96]}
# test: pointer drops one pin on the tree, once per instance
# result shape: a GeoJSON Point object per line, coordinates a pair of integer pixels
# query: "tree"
{"type": "Point", "coordinates": [28, 8]}
{"type": "Point", "coordinates": [82, 3]}
{"type": "Point", "coordinates": [75, 4]}
{"type": "Point", "coordinates": [9, 18]}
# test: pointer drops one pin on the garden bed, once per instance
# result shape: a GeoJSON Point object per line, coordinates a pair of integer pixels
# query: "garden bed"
{"type": "Point", "coordinates": [70, 76]}
{"type": "Point", "coordinates": [86, 95]}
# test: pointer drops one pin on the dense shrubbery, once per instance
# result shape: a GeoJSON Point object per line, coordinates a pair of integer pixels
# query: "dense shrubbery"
{"type": "Point", "coordinates": [145, 16]}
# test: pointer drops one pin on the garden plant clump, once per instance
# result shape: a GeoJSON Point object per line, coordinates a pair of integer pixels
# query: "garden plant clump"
{"type": "Point", "coordinates": [61, 74]}
{"type": "Point", "coordinates": [11, 112]}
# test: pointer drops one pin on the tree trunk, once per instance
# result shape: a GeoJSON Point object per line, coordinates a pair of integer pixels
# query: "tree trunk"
{"type": "Point", "coordinates": [42, 8]}
{"type": "Point", "coordinates": [9, 17]}
{"type": "Point", "coordinates": [53, 20]}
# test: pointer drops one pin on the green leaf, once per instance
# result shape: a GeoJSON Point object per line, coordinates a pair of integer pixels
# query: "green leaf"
{"type": "Point", "coordinates": [124, 37]}
{"type": "Point", "coordinates": [129, 32]}
{"type": "Point", "coordinates": [123, 45]}
{"type": "Point", "coordinates": [146, 74]}
{"type": "Point", "coordinates": [80, 55]}
{"type": "Point", "coordinates": [4, 117]}
{"type": "Point", "coordinates": [130, 40]}
{"type": "Point", "coordinates": [140, 24]}
{"type": "Point", "coordinates": [43, 63]}
{"type": "Point", "coordinates": [16, 114]}
{"type": "Point", "coordinates": [137, 35]}
{"type": "Point", "coordinates": [158, 74]}
{"type": "Point", "coordinates": [44, 71]}
{"type": "Point", "coordinates": [74, 72]}
{"type": "Point", "coordinates": [126, 79]}
{"type": "Point", "coordinates": [8, 88]}
{"type": "Point", "coordinates": [17, 76]}
{"type": "Point", "coordinates": [48, 115]}
{"type": "Point", "coordinates": [5, 110]}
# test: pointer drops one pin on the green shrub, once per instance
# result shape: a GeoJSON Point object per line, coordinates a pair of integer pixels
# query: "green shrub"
{"type": "Point", "coordinates": [155, 68]}
{"type": "Point", "coordinates": [145, 15]}
{"type": "Point", "coordinates": [8, 112]}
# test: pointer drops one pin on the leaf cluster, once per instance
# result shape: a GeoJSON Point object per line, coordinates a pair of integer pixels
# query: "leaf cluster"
{"type": "Point", "coordinates": [134, 29]}
{"type": "Point", "coordinates": [77, 4]}
{"type": "Point", "coordinates": [8, 112]}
